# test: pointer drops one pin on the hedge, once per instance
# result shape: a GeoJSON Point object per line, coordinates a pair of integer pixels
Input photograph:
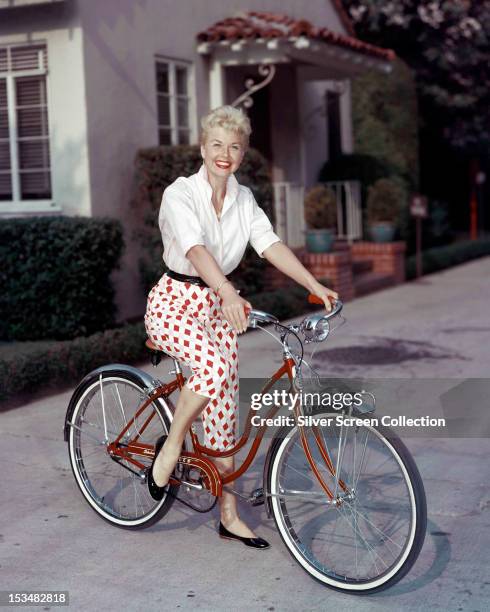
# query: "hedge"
{"type": "Point", "coordinates": [55, 276]}
{"type": "Point", "coordinates": [67, 362]}
{"type": "Point", "coordinates": [158, 167]}
{"type": "Point", "coordinates": [440, 258]}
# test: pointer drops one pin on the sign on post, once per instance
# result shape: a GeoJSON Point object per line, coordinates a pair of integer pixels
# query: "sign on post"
{"type": "Point", "coordinates": [418, 206]}
{"type": "Point", "coordinates": [418, 209]}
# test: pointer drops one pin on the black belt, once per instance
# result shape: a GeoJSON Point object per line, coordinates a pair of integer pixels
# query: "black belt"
{"type": "Point", "coordinates": [184, 278]}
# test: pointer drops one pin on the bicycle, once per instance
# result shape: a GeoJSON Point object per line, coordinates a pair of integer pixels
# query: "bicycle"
{"type": "Point", "coordinates": [348, 502]}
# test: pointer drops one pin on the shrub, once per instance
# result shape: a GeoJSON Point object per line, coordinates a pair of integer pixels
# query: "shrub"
{"type": "Point", "coordinates": [354, 167]}
{"type": "Point", "coordinates": [55, 276]}
{"type": "Point", "coordinates": [321, 208]}
{"type": "Point", "coordinates": [385, 201]}
{"type": "Point", "coordinates": [67, 362]}
{"type": "Point", "coordinates": [158, 167]}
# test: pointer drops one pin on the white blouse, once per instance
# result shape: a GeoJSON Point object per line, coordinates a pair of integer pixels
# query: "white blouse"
{"type": "Point", "coordinates": [188, 217]}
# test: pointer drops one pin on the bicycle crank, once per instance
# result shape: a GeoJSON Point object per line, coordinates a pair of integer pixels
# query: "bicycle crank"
{"type": "Point", "coordinates": [256, 497]}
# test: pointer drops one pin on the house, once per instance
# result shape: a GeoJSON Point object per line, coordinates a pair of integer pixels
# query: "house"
{"type": "Point", "coordinates": [84, 84]}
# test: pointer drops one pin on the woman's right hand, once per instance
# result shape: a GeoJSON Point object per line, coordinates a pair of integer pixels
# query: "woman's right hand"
{"type": "Point", "coordinates": [234, 308]}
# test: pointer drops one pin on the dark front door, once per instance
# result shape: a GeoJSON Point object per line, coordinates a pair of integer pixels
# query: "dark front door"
{"type": "Point", "coordinates": [333, 125]}
{"type": "Point", "coordinates": [259, 114]}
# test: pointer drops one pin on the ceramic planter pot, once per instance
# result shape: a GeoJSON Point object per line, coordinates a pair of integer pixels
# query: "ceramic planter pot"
{"type": "Point", "coordinates": [319, 240]}
{"type": "Point", "coordinates": [382, 232]}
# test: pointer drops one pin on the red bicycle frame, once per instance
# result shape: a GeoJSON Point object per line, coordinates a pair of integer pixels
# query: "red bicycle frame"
{"type": "Point", "coordinates": [212, 480]}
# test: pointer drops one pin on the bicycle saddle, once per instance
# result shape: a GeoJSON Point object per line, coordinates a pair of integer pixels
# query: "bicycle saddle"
{"type": "Point", "coordinates": [156, 353]}
{"type": "Point", "coordinates": [153, 347]}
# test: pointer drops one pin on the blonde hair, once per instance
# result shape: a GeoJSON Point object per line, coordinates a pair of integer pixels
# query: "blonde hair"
{"type": "Point", "coordinates": [229, 118]}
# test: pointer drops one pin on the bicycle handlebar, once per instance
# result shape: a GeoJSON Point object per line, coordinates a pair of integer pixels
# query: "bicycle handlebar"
{"type": "Point", "coordinates": [259, 316]}
{"type": "Point", "coordinates": [336, 306]}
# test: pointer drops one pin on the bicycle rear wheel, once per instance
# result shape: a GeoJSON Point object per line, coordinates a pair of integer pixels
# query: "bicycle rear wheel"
{"type": "Point", "coordinates": [371, 535]}
{"type": "Point", "coordinates": [115, 488]}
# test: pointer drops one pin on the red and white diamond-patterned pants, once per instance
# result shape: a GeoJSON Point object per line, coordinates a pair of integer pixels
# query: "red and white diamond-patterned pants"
{"type": "Point", "coordinates": [185, 321]}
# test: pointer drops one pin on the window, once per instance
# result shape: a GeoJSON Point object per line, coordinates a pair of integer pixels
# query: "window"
{"type": "Point", "coordinates": [173, 102]}
{"type": "Point", "coordinates": [25, 173]}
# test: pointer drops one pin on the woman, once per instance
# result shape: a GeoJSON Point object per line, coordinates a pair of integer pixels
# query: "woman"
{"type": "Point", "coordinates": [194, 313]}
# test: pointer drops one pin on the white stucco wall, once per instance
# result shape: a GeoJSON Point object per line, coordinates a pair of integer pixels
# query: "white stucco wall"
{"type": "Point", "coordinates": [58, 26]}
{"type": "Point", "coordinates": [346, 119]}
{"type": "Point", "coordinates": [313, 124]}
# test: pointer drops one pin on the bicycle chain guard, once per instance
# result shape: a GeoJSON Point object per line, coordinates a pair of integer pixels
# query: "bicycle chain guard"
{"type": "Point", "coordinates": [195, 489]}
{"type": "Point", "coordinates": [211, 476]}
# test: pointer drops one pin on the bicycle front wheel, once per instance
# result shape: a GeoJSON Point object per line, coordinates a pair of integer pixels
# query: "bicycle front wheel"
{"type": "Point", "coordinates": [115, 488]}
{"type": "Point", "coordinates": [369, 536]}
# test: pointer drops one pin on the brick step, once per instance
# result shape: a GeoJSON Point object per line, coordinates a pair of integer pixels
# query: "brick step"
{"type": "Point", "coordinates": [274, 279]}
{"type": "Point", "coordinates": [372, 281]}
{"type": "Point", "coordinates": [341, 245]}
{"type": "Point", "coordinates": [361, 266]}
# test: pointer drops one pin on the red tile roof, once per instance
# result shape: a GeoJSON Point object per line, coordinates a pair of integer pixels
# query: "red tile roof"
{"type": "Point", "coordinates": [253, 25]}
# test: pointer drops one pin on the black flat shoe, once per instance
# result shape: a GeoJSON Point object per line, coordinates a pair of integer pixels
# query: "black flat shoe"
{"type": "Point", "coordinates": [155, 491]}
{"type": "Point", "coordinates": [252, 542]}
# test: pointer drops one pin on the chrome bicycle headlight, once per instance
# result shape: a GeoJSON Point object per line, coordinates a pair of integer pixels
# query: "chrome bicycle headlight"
{"type": "Point", "coordinates": [315, 328]}
{"type": "Point", "coordinates": [322, 330]}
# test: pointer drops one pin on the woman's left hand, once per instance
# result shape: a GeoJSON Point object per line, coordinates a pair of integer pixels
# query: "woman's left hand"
{"type": "Point", "coordinates": [327, 295]}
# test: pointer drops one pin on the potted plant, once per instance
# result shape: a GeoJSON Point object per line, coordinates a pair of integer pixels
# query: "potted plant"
{"type": "Point", "coordinates": [321, 219]}
{"type": "Point", "coordinates": [384, 203]}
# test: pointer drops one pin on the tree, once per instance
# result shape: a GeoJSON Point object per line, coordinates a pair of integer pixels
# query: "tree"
{"type": "Point", "coordinates": [383, 127]}
{"type": "Point", "coordinates": [446, 43]}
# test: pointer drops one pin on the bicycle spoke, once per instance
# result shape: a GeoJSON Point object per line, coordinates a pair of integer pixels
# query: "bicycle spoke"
{"type": "Point", "coordinates": [103, 407]}
{"type": "Point", "coordinates": [381, 532]}
{"type": "Point", "coordinates": [119, 403]}
{"type": "Point", "coordinates": [112, 432]}
{"type": "Point", "coordinates": [352, 479]}
{"type": "Point", "coordinates": [356, 555]}
{"type": "Point", "coordinates": [354, 484]}
{"type": "Point", "coordinates": [384, 535]}
{"type": "Point", "coordinates": [370, 548]}
{"type": "Point", "coordinates": [88, 434]}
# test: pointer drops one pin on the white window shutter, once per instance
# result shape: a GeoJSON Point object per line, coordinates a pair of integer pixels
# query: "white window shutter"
{"type": "Point", "coordinates": [33, 137]}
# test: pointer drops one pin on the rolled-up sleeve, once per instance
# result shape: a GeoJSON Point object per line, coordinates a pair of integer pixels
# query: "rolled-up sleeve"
{"type": "Point", "coordinates": [177, 211]}
{"type": "Point", "coordinates": [262, 234]}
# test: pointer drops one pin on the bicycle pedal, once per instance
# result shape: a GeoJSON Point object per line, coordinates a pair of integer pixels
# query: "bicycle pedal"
{"type": "Point", "coordinates": [257, 497]}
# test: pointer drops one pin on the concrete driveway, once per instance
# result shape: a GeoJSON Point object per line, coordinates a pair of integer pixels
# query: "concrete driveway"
{"type": "Point", "coordinates": [51, 539]}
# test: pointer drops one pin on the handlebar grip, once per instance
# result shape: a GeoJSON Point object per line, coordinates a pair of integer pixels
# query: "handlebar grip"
{"type": "Point", "coordinates": [314, 299]}
{"type": "Point", "coordinates": [247, 310]}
